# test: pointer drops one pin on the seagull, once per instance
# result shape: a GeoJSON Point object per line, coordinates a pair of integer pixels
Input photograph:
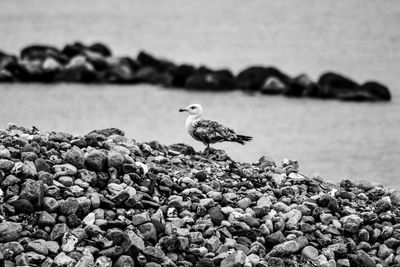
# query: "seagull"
{"type": "Point", "coordinates": [208, 131]}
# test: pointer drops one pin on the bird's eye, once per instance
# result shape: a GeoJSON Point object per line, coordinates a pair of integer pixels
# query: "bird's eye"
{"type": "Point", "coordinates": [192, 107]}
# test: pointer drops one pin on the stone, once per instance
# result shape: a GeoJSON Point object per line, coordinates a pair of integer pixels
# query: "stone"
{"type": "Point", "coordinates": [236, 259]}
{"type": "Point", "coordinates": [140, 218]}
{"type": "Point", "coordinates": [45, 219]}
{"type": "Point", "coordinates": [286, 248]}
{"type": "Point", "coordinates": [69, 242]}
{"type": "Point", "coordinates": [132, 240]}
{"type": "Point", "coordinates": [365, 259]}
{"type": "Point", "coordinates": [69, 206]}
{"type": "Point", "coordinates": [33, 191]}
{"type": "Point", "coordinates": [23, 206]}
{"type": "Point", "coordinates": [115, 159]}
{"type": "Point", "coordinates": [38, 246]}
{"type": "Point", "coordinates": [6, 164]}
{"type": "Point", "coordinates": [75, 157]}
{"type": "Point", "coordinates": [63, 260]}
{"type": "Point", "coordinates": [275, 238]}
{"type": "Point", "coordinates": [9, 231]}
{"type": "Point", "coordinates": [216, 215]}
{"type": "Point", "coordinates": [154, 254]}
{"type": "Point", "coordinates": [124, 261]}
{"type": "Point", "coordinates": [96, 160]}
{"type": "Point", "coordinates": [310, 253]}
{"type": "Point", "coordinates": [148, 231]}
{"type": "Point", "coordinates": [58, 231]}
{"type": "Point", "coordinates": [351, 223]}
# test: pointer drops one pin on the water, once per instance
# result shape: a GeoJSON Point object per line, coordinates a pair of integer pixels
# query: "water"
{"type": "Point", "coordinates": [336, 139]}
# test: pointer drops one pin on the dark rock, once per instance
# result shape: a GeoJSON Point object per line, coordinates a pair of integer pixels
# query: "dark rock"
{"type": "Point", "coordinates": [145, 59]}
{"type": "Point", "coordinates": [78, 69]}
{"type": "Point", "coordinates": [23, 206]}
{"type": "Point", "coordinates": [181, 75]}
{"type": "Point", "coordinates": [253, 78]}
{"type": "Point", "coordinates": [101, 49]}
{"type": "Point", "coordinates": [33, 191]}
{"type": "Point", "coordinates": [216, 215]}
{"type": "Point", "coordinates": [335, 85]}
{"type": "Point", "coordinates": [96, 160]}
{"type": "Point", "coordinates": [376, 90]}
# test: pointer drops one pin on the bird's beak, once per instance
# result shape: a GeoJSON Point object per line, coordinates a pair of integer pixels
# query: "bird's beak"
{"type": "Point", "coordinates": [182, 109]}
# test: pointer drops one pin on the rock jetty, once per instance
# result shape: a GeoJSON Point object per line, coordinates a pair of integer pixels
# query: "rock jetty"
{"type": "Point", "coordinates": [103, 199]}
{"type": "Point", "coordinates": [80, 63]}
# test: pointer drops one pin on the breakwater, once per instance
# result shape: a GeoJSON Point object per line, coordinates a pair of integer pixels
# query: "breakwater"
{"type": "Point", "coordinates": [80, 63]}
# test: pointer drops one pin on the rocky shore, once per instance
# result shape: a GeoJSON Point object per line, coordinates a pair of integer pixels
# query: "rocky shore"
{"type": "Point", "coordinates": [79, 63]}
{"type": "Point", "coordinates": [103, 199]}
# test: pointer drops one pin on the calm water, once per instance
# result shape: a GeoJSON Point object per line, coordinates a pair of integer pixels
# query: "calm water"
{"type": "Point", "coordinates": [336, 139]}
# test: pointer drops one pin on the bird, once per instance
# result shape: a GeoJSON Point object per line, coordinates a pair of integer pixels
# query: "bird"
{"type": "Point", "coordinates": [209, 131]}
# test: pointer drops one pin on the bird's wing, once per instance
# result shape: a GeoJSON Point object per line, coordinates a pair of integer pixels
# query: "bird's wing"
{"type": "Point", "coordinates": [210, 132]}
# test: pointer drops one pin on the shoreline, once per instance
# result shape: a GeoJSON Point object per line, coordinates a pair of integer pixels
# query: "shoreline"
{"type": "Point", "coordinates": [80, 63]}
{"type": "Point", "coordinates": [104, 198]}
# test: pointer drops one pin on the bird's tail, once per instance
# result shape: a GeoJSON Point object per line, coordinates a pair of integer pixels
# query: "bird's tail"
{"type": "Point", "coordinates": [242, 139]}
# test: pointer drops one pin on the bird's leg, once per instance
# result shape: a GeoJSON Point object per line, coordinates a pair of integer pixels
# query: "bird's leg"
{"type": "Point", "coordinates": [207, 150]}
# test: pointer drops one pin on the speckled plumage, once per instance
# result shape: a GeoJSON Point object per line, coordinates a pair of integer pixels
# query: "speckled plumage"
{"type": "Point", "coordinates": [208, 131]}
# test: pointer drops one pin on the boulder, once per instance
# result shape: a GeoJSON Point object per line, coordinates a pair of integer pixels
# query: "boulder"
{"type": "Point", "coordinates": [334, 85]}
{"type": "Point", "coordinates": [181, 74]}
{"type": "Point", "coordinates": [376, 90]}
{"type": "Point", "coordinates": [253, 78]}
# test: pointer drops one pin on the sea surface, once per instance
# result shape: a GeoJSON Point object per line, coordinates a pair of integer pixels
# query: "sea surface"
{"type": "Point", "coordinates": [337, 140]}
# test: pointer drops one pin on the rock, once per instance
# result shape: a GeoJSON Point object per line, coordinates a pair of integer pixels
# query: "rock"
{"type": "Point", "coordinates": [351, 223]}
{"type": "Point", "coordinates": [38, 246]}
{"type": "Point", "coordinates": [285, 248]}
{"type": "Point", "coordinates": [50, 204]}
{"type": "Point", "coordinates": [132, 241]}
{"type": "Point", "coordinates": [124, 261]}
{"type": "Point", "coordinates": [376, 91]}
{"type": "Point", "coordinates": [365, 259]}
{"type": "Point", "coordinates": [6, 164]}
{"type": "Point", "coordinates": [310, 253]}
{"type": "Point", "coordinates": [216, 215]}
{"type": "Point", "coordinates": [69, 206]}
{"type": "Point", "coordinates": [115, 159]}
{"type": "Point", "coordinates": [63, 260]}
{"type": "Point", "coordinates": [333, 85]}
{"type": "Point", "coordinates": [236, 259]}
{"type": "Point", "coordinates": [154, 254]}
{"type": "Point", "coordinates": [253, 78]}
{"type": "Point", "coordinates": [140, 218]}
{"type": "Point", "coordinates": [10, 231]}
{"type": "Point", "coordinates": [96, 160]}
{"type": "Point", "coordinates": [275, 238]}
{"type": "Point", "coordinates": [23, 206]}
{"type": "Point", "coordinates": [58, 231]}
{"type": "Point", "coordinates": [148, 231]}
{"type": "Point", "coordinates": [273, 86]}
{"type": "Point", "coordinates": [69, 242]}
{"type": "Point", "coordinates": [33, 191]}
{"type": "Point", "coordinates": [75, 157]}
{"type": "Point", "coordinates": [45, 219]}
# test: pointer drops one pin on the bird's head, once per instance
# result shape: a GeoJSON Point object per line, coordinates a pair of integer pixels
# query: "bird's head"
{"type": "Point", "coordinates": [193, 109]}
